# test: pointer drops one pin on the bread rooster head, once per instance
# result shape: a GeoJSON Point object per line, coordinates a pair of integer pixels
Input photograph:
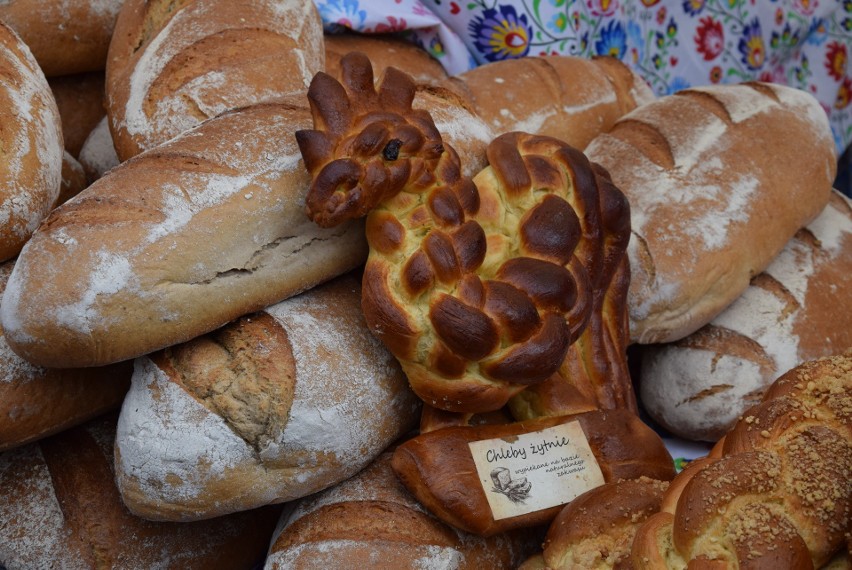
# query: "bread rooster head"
{"type": "Point", "coordinates": [367, 142]}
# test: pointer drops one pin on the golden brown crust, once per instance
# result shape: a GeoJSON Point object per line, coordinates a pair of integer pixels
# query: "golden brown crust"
{"type": "Point", "coordinates": [624, 447]}
{"type": "Point", "coordinates": [384, 50]}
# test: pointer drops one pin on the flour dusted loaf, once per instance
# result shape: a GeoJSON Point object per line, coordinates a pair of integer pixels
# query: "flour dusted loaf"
{"type": "Point", "coordinates": [384, 50]}
{"type": "Point", "coordinates": [571, 98]}
{"type": "Point", "coordinates": [31, 141]}
{"type": "Point", "coordinates": [59, 508]}
{"type": "Point", "coordinates": [273, 407]}
{"type": "Point", "coordinates": [719, 178]}
{"type": "Point", "coordinates": [172, 65]}
{"type": "Point", "coordinates": [173, 244]}
{"type": "Point", "coordinates": [798, 309]}
{"type": "Point", "coordinates": [65, 36]}
{"type": "Point", "coordinates": [371, 521]}
{"type": "Point", "coordinates": [97, 154]}
{"type": "Point", "coordinates": [36, 402]}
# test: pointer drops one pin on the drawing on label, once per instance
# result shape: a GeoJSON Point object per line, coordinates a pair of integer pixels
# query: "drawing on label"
{"type": "Point", "coordinates": [515, 489]}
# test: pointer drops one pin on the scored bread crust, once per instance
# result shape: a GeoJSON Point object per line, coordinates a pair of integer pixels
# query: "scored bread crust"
{"type": "Point", "coordinates": [174, 243]}
{"type": "Point", "coordinates": [699, 386]}
{"type": "Point", "coordinates": [30, 144]}
{"type": "Point", "coordinates": [172, 65]}
{"type": "Point", "coordinates": [272, 407]}
{"type": "Point", "coordinates": [711, 206]}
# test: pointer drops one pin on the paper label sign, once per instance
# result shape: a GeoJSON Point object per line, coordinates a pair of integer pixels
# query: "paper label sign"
{"type": "Point", "coordinates": [535, 471]}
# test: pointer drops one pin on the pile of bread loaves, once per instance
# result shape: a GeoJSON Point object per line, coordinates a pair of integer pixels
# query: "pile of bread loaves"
{"type": "Point", "coordinates": [278, 299]}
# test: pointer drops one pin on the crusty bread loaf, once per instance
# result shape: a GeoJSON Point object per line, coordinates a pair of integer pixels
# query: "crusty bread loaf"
{"type": "Point", "coordinates": [80, 100]}
{"type": "Point", "coordinates": [571, 98]}
{"type": "Point", "coordinates": [384, 50]}
{"type": "Point", "coordinates": [172, 65]}
{"type": "Point", "coordinates": [272, 407]}
{"type": "Point", "coordinates": [67, 37]}
{"type": "Point", "coordinates": [60, 508]}
{"type": "Point", "coordinates": [440, 470]}
{"type": "Point", "coordinates": [370, 521]}
{"type": "Point", "coordinates": [97, 155]}
{"type": "Point", "coordinates": [36, 402]}
{"type": "Point", "coordinates": [779, 495]}
{"type": "Point", "coordinates": [31, 143]}
{"type": "Point", "coordinates": [798, 309]}
{"type": "Point", "coordinates": [719, 178]}
{"type": "Point", "coordinates": [74, 179]}
{"type": "Point", "coordinates": [173, 244]}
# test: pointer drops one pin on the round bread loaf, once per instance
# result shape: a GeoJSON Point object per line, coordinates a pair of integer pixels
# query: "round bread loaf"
{"type": "Point", "coordinates": [67, 36]}
{"type": "Point", "coordinates": [270, 408]}
{"type": "Point", "coordinates": [719, 178]}
{"type": "Point", "coordinates": [798, 309]}
{"type": "Point", "coordinates": [61, 509]}
{"type": "Point", "coordinates": [371, 521]}
{"type": "Point", "coordinates": [30, 144]}
{"type": "Point", "coordinates": [173, 64]}
{"type": "Point", "coordinates": [97, 155]}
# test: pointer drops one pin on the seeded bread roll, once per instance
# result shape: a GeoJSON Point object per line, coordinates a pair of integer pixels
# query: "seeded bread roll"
{"type": "Point", "coordinates": [67, 36]}
{"type": "Point", "coordinates": [173, 244]}
{"type": "Point", "coordinates": [371, 521]}
{"type": "Point", "coordinates": [36, 402]}
{"type": "Point", "coordinates": [172, 65]}
{"type": "Point", "coordinates": [270, 408]}
{"type": "Point", "coordinates": [719, 178]}
{"type": "Point", "coordinates": [571, 98]}
{"type": "Point", "coordinates": [798, 309]}
{"type": "Point", "coordinates": [31, 144]}
{"type": "Point", "coordinates": [60, 509]}
{"type": "Point", "coordinates": [384, 50]}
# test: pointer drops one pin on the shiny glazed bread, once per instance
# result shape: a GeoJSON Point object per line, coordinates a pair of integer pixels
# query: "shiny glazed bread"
{"type": "Point", "coordinates": [479, 287]}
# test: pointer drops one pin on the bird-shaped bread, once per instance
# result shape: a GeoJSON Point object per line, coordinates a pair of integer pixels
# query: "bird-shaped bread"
{"type": "Point", "coordinates": [478, 286]}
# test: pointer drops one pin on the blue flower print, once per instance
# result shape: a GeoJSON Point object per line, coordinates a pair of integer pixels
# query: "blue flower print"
{"type": "Point", "coordinates": [501, 35]}
{"type": "Point", "coordinates": [338, 15]}
{"type": "Point", "coordinates": [613, 40]}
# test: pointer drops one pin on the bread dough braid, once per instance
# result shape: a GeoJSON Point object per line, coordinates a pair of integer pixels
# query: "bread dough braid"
{"type": "Point", "coordinates": [479, 287]}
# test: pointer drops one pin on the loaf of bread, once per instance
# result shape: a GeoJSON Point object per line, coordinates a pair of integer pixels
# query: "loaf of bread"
{"type": "Point", "coordinates": [492, 478]}
{"type": "Point", "coordinates": [779, 496]}
{"type": "Point", "coordinates": [719, 178]}
{"type": "Point", "coordinates": [97, 155]}
{"type": "Point", "coordinates": [371, 521]}
{"type": "Point", "coordinates": [479, 287]}
{"type": "Point", "coordinates": [67, 37]}
{"type": "Point", "coordinates": [60, 509]}
{"type": "Point", "coordinates": [31, 141]}
{"type": "Point", "coordinates": [173, 244]}
{"type": "Point", "coordinates": [272, 407]}
{"type": "Point", "coordinates": [80, 100]}
{"type": "Point", "coordinates": [571, 98]}
{"type": "Point", "coordinates": [384, 50]}
{"type": "Point", "coordinates": [596, 529]}
{"type": "Point", "coordinates": [172, 65]}
{"type": "Point", "coordinates": [74, 179]}
{"type": "Point", "coordinates": [36, 402]}
{"type": "Point", "coordinates": [798, 309]}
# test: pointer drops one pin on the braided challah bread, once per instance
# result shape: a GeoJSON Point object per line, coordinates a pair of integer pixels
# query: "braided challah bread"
{"type": "Point", "coordinates": [780, 495]}
{"type": "Point", "coordinates": [479, 287]}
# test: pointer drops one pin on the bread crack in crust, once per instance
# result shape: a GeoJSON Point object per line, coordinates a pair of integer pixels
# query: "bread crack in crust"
{"type": "Point", "coordinates": [478, 286]}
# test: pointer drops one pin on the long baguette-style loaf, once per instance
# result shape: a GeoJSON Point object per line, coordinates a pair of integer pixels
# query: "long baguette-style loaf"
{"type": "Point", "coordinates": [371, 521]}
{"type": "Point", "coordinates": [172, 65]}
{"type": "Point", "coordinates": [272, 407]}
{"type": "Point", "coordinates": [719, 178]}
{"type": "Point", "coordinates": [798, 309]}
{"type": "Point", "coordinates": [30, 141]}
{"type": "Point", "coordinates": [173, 244]}
{"type": "Point", "coordinates": [59, 508]}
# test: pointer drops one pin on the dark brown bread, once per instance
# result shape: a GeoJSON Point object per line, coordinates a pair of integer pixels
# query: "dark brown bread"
{"type": "Point", "coordinates": [60, 509]}
{"type": "Point", "coordinates": [80, 99]}
{"type": "Point", "coordinates": [439, 470]}
{"type": "Point", "coordinates": [384, 50]}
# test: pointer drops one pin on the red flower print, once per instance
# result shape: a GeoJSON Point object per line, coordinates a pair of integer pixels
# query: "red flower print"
{"type": "Point", "coordinates": [835, 60]}
{"type": "Point", "coordinates": [715, 74]}
{"type": "Point", "coordinates": [709, 38]}
{"type": "Point", "coordinates": [779, 16]}
{"type": "Point", "coordinates": [649, 3]}
{"type": "Point", "coordinates": [661, 15]}
{"type": "Point", "coordinates": [844, 94]}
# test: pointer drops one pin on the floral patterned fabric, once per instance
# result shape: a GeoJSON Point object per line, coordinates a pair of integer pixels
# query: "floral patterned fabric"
{"type": "Point", "coordinates": [673, 44]}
